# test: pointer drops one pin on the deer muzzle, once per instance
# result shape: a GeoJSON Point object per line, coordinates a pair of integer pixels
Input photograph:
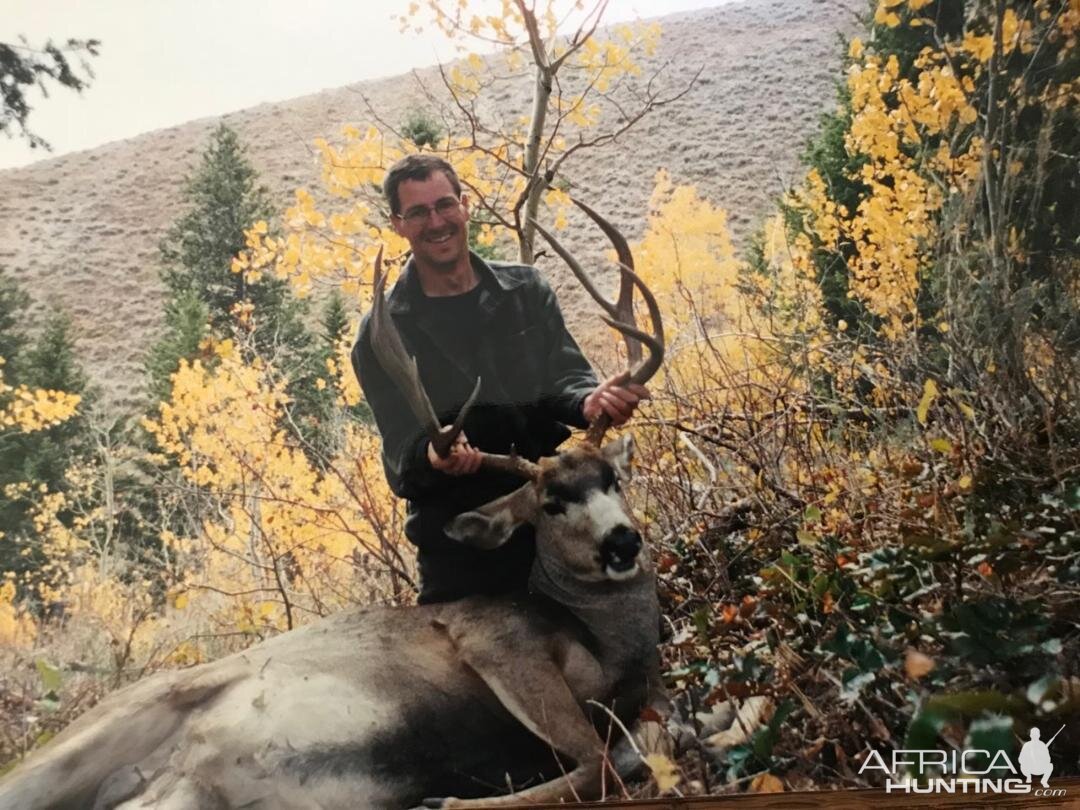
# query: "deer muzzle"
{"type": "Point", "coordinates": [619, 552]}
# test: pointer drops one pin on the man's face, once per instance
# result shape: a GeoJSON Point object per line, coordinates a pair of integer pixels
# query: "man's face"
{"type": "Point", "coordinates": [434, 221]}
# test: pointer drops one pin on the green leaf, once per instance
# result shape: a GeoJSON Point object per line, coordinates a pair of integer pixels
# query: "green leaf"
{"type": "Point", "coordinates": [1038, 690]}
{"type": "Point", "coordinates": [806, 538]}
{"type": "Point", "coordinates": [701, 622]}
{"type": "Point", "coordinates": [854, 681]}
{"type": "Point", "coordinates": [764, 739]}
{"type": "Point", "coordinates": [50, 704]}
{"type": "Point", "coordinates": [992, 733]}
{"type": "Point", "coordinates": [812, 514]}
{"type": "Point", "coordinates": [51, 677]}
{"type": "Point", "coordinates": [861, 602]}
{"type": "Point", "coordinates": [975, 702]}
{"type": "Point", "coordinates": [923, 730]}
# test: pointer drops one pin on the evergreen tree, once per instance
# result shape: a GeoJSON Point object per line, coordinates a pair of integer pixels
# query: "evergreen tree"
{"type": "Point", "coordinates": [224, 200]}
{"type": "Point", "coordinates": [13, 304]}
{"type": "Point", "coordinates": [23, 67]}
{"type": "Point", "coordinates": [185, 326]}
{"type": "Point", "coordinates": [335, 325]}
{"type": "Point", "coordinates": [335, 320]}
{"type": "Point", "coordinates": [36, 461]}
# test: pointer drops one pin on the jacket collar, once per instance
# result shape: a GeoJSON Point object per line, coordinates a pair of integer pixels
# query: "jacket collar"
{"type": "Point", "coordinates": [494, 286]}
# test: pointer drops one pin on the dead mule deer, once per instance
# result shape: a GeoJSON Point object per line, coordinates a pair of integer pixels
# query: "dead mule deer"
{"type": "Point", "coordinates": [382, 708]}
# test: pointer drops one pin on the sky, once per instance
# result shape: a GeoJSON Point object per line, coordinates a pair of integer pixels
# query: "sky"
{"type": "Point", "coordinates": [164, 62]}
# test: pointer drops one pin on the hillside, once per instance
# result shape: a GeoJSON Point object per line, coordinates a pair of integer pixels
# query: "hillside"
{"type": "Point", "coordinates": [81, 231]}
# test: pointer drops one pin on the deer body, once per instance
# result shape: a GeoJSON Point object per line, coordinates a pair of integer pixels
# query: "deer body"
{"type": "Point", "coordinates": [382, 708]}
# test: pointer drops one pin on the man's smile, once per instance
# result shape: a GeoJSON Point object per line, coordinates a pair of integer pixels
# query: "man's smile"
{"type": "Point", "coordinates": [441, 236]}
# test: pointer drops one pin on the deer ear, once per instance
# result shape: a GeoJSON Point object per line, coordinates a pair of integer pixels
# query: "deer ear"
{"type": "Point", "coordinates": [490, 525]}
{"type": "Point", "coordinates": [620, 455]}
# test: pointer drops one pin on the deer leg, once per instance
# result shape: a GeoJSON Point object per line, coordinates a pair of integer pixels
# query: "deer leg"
{"type": "Point", "coordinates": [650, 734]}
{"type": "Point", "coordinates": [535, 691]}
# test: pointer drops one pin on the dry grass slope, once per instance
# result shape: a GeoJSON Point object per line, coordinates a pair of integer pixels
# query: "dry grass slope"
{"type": "Point", "coordinates": [81, 231]}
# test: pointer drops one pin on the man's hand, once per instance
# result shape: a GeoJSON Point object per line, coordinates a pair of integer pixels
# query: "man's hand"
{"type": "Point", "coordinates": [464, 459]}
{"type": "Point", "coordinates": [615, 397]}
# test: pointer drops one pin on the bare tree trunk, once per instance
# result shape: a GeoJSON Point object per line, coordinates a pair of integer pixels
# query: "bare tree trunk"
{"type": "Point", "coordinates": [541, 95]}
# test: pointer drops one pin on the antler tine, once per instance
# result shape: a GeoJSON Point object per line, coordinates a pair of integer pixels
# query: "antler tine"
{"type": "Point", "coordinates": [577, 269]}
{"type": "Point", "coordinates": [645, 369]}
{"type": "Point", "coordinates": [623, 308]}
{"type": "Point", "coordinates": [624, 304]}
{"type": "Point", "coordinates": [620, 314]}
{"type": "Point", "coordinates": [401, 368]}
{"type": "Point", "coordinates": [512, 464]}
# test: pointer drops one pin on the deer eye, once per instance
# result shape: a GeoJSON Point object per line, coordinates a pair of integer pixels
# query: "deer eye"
{"type": "Point", "coordinates": [554, 507]}
{"type": "Point", "coordinates": [608, 479]}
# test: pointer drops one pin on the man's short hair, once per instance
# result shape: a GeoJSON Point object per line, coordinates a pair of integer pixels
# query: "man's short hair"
{"type": "Point", "coordinates": [416, 167]}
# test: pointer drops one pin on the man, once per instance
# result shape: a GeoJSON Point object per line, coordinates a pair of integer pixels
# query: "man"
{"type": "Point", "coordinates": [463, 318]}
{"type": "Point", "coordinates": [1035, 757]}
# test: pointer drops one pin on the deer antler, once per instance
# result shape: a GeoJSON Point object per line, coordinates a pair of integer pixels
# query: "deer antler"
{"type": "Point", "coordinates": [620, 315]}
{"type": "Point", "coordinates": [401, 368]}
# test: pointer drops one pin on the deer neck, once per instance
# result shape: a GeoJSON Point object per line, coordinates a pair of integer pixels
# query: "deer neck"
{"type": "Point", "coordinates": [622, 617]}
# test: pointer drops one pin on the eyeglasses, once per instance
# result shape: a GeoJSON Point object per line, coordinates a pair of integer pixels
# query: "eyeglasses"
{"type": "Point", "coordinates": [445, 207]}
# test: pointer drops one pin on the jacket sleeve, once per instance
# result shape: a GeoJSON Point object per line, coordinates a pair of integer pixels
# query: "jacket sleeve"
{"type": "Point", "coordinates": [569, 377]}
{"type": "Point", "coordinates": [404, 442]}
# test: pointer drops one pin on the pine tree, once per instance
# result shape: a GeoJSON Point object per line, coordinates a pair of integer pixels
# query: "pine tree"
{"type": "Point", "coordinates": [336, 325]}
{"type": "Point", "coordinates": [224, 201]}
{"type": "Point", "coordinates": [13, 304]}
{"type": "Point", "coordinates": [37, 461]}
{"type": "Point", "coordinates": [185, 326]}
{"type": "Point", "coordinates": [335, 320]}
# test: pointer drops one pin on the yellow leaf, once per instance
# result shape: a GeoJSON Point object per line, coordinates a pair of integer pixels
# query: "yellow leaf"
{"type": "Point", "coordinates": [964, 483]}
{"type": "Point", "coordinates": [930, 392]}
{"type": "Point", "coordinates": [886, 18]}
{"type": "Point", "coordinates": [941, 445]}
{"type": "Point", "coordinates": [664, 771]}
{"type": "Point", "coordinates": [855, 50]}
{"type": "Point", "coordinates": [766, 783]}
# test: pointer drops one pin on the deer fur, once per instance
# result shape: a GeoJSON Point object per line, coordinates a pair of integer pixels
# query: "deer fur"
{"type": "Point", "coordinates": [387, 707]}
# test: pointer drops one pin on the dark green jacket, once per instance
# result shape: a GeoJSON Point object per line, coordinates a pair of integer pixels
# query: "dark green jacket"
{"type": "Point", "coordinates": [534, 382]}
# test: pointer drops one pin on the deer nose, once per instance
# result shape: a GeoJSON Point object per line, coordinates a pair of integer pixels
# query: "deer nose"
{"type": "Point", "coordinates": [620, 548]}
